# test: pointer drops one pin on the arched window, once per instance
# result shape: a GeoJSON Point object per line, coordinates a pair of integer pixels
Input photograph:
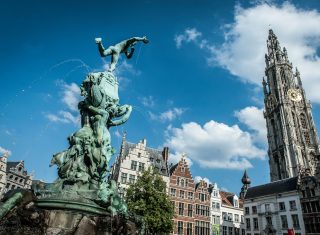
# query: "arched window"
{"type": "Point", "coordinates": [295, 126]}
{"type": "Point", "coordinates": [304, 128]}
{"type": "Point", "coordinates": [303, 121]}
{"type": "Point", "coordinates": [274, 130]}
{"type": "Point", "coordinates": [283, 76]}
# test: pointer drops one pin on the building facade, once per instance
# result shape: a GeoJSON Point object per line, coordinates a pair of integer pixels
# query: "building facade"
{"type": "Point", "coordinates": [232, 220]}
{"type": "Point", "coordinates": [202, 213]}
{"type": "Point", "coordinates": [3, 173]}
{"type": "Point", "coordinates": [135, 158]}
{"type": "Point", "coordinates": [215, 209]}
{"type": "Point", "coordinates": [182, 195]}
{"type": "Point", "coordinates": [13, 175]}
{"type": "Point", "coordinates": [309, 188]}
{"type": "Point", "coordinates": [292, 136]}
{"type": "Point", "coordinates": [274, 209]}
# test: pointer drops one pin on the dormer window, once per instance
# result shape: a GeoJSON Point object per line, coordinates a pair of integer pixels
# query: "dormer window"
{"type": "Point", "coordinates": [236, 203]}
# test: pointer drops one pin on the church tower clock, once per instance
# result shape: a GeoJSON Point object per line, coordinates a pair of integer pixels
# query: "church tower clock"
{"type": "Point", "coordinates": [292, 136]}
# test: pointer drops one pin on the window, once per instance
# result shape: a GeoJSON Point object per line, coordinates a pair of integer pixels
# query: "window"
{"type": "Point", "coordinates": [236, 218]}
{"type": "Point", "coordinates": [255, 224]}
{"type": "Point", "coordinates": [247, 210]}
{"type": "Point", "coordinates": [190, 210]}
{"type": "Point", "coordinates": [216, 219]}
{"type": "Point", "coordinates": [182, 194]}
{"type": "Point", "coordinates": [182, 183]}
{"type": "Point", "coordinates": [202, 197]}
{"type": "Point", "coordinates": [178, 181]}
{"type": "Point", "coordinates": [254, 210]}
{"type": "Point", "coordinates": [230, 217]}
{"type": "Point", "coordinates": [181, 208]}
{"type": "Point", "coordinates": [132, 178]}
{"type": "Point", "coordinates": [173, 192]}
{"type": "Point", "coordinates": [139, 155]}
{"type": "Point", "coordinates": [224, 230]}
{"type": "Point", "coordinates": [180, 228]}
{"type": "Point", "coordinates": [189, 228]}
{"type": "Point", "coordinates": [282, 206]}
{"type": "Point", "coordinates": [267, 207]}
{"type": "Point", "coordinates": [190, 195]}
{"type": "Point", "coordinates": [225, 216]}
{"type": "Point", "coordinates": [242, 219]}
{"type": "Point", "coordinates": [248, 225]}
{"type": "Point", "coordinates": [124, 178]}
{"type": "Point", "coordinates": [295, 221]}
{"type": "Point", "coordinates": [284, 221]}
{"type": "Point", "coordinates": [141, 166]}
{"type": "Point", "coordinates": [187, 182]}
{"type": "Point", "coordinates": [235, 203]}
{"type": "Point", "coordinates": [134, 165]}
{"type": "Point", "coordinates": [230, 230]}
{"type": "Point", "coordinates": [269, 220]}
{"type": "Point", "coordinates": [293, 205]}
{"type": "Point", "coordinates": [202, 228]}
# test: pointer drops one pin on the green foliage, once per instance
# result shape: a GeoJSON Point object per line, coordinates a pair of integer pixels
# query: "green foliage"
{"type": "Point", "coordinates": [148, 198]}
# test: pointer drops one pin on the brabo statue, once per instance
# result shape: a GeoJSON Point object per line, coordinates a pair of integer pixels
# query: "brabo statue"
{"type": "Point", "coordinates": [83, 167]}
{"type": "Point", "coordinates": [121, 47]}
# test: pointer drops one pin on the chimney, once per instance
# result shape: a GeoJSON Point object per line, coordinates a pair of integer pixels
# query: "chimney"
{"type": "Point", "coordinates": [165, 154]}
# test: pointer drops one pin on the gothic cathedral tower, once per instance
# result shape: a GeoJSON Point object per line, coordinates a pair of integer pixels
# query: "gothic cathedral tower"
{"type": "Point", "coordinates": [292, 136]}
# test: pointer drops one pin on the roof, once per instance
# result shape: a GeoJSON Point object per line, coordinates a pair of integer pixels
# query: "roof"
{"type": "Point", "coordinates": [280, 186]}
{"type": "Point", "coordinates": [227, 199]}
{"type": "Point", "coordinates": [172, 168]}
{"type": "Point", "coordinates": [12, 165]}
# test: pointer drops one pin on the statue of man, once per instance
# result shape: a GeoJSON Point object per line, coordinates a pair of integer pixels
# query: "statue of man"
{"type": "Point", "coordinates": [121, 47]}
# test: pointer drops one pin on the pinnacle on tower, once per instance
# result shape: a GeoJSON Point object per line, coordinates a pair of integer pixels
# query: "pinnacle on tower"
{"type": "Point", "coordinates": [245, 178]}
{"type": "Point", "coordinates": [298, 77]}
{"type": "Point", "coordinates": [246, 184]}
{"type": "Point", "coordinates": [275, 54]}
{"type": "Point", "coordinates": [264, 84]}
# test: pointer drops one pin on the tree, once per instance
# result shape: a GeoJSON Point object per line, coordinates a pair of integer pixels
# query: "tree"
{"type": "Point", "coordinates": [148, 199]}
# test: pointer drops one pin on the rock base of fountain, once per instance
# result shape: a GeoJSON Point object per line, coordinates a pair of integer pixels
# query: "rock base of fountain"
{"type": "Point", "coordinates": [33, 216]}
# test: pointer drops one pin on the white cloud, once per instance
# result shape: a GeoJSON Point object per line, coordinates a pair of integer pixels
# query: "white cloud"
{"type": "Point", "coordinates": [214, 145]}
{"type": "Point", "coordinates": [242, 52]}
{"type": "Point", "coordinates": [174, 158]}
{"type": "Point", "coordinates": [169, 115]}
{"type": "Point", "coordinates": [198, 178]}
{"type": "Point", "coordinates": [253, 118]}
{"type": "Point", "coordinates": [147, 101]}
{"type": "Point", "coordinates": [117, 133]}
{"type": "Point", "coordinates": [71, 97]}
{"type": "Point", "coordinates": [189, 35]}
{"type": "Point", "coordinates": [4, 151]}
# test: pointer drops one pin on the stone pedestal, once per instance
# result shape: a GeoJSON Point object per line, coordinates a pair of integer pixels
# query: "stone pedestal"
{"type": "Point", "coordinates": [28, 218]}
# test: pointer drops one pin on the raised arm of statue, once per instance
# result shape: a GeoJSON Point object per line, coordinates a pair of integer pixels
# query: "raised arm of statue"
{"type": "Point", "coordinates": [125, 46]}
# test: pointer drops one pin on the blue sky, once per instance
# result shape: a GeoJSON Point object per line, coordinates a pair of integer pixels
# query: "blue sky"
{"type": "Point", "coordinates": [195, 87]}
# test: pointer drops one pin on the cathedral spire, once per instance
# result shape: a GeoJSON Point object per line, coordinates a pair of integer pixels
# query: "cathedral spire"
{"type": "Point", "coordinates": [275, 54]}
{"type": "Point", "coordinates": [292, 138]}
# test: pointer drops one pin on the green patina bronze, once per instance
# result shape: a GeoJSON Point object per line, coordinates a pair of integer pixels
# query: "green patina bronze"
{"type": "Point", "coordinates": [83, 167]}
